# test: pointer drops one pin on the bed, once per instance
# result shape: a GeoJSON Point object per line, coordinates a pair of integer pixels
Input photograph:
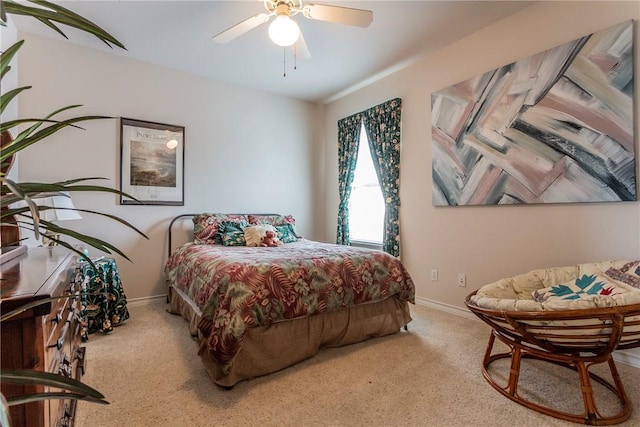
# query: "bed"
{"type": "Point", "coordinates": [256, 310]}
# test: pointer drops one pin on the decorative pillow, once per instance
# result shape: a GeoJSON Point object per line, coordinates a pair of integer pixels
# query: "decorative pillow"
{"type": "Point", "coordinates": [205, 226]}
{"type": "Point", "coordinates": [231, 233]}
{"type": "Point", "coordinates": [233, 238]}
{"type": "Point", "coordinates": [628, 273]}
{"type": "Point", "coordinates": [584, 287]}
{"type": "Point", "coordinates": [274, 220]}
{"type": "Point", "coordinates": [227, 226]}
{"type": "Point", "coordinates": [286, 233]}
{"type": "Point", "coordinates": [253, 234]}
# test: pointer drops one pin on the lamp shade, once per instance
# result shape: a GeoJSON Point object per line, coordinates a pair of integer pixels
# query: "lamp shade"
{"type": "Point", "coordinates": [62, 205]}
{"type": "Point", "coordinates": [283, 31]}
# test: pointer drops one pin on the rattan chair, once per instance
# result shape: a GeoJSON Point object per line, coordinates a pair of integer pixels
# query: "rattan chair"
{"type": "Point", "coordinates": [578, 339]}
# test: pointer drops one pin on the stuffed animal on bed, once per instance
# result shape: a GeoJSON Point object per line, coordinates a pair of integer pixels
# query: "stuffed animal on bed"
{"type": "Point", "coordinates": [270, 239]}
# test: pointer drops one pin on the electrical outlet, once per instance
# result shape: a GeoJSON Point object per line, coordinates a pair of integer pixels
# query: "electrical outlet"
{"type": "Point", "coordinates": [462, 279]}
{"type": "Point", "coordinates": [434, 275]}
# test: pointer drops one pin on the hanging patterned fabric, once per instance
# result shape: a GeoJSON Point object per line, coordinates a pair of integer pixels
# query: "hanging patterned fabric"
{"type": "Point", "coordinates": [104, 303]}
{"type": "Point", "coordinates": [382, 124]}
{"type": "Point", "coordinates": [348, 141]}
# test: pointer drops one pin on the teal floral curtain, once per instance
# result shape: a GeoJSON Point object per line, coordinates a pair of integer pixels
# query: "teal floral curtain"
{"type": "Point", "coordinates": [382, 124]}
{"type": "Point", "coordinates": [348, 139]}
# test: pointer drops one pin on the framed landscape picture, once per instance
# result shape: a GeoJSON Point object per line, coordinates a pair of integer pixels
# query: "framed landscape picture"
{"type": "Point", "coordinates": [151, 163]}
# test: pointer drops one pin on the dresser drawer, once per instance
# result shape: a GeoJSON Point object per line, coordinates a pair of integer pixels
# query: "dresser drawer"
{"type": "Point", "coordinates": [45, 338]}
{"type": "Point", "coordinates": [53, 324]}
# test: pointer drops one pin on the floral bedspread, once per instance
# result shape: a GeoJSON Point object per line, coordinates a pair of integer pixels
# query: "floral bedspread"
{"type": "Point", "coordinates": [239, 287]}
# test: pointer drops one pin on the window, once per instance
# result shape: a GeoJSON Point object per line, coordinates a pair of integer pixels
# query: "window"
{"type": "Point", "coordinates": [366, 204]}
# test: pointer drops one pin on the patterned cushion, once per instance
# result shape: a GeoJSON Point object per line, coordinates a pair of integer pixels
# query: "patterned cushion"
{"type": "Point", "coordinates": [205, 227]}
{"type": "Point", "coordinates": [286, 233]}
{"type": "Point", "coordinates": [233, 238]}
{"type": "Point", "coordinates": [231, 233]}
{"type": "Point", "coordinates": [628, 273]}
{"type": "Point", "coordinates": [227, 226]}
{"type": "Point", "coordinates": [584, 287]}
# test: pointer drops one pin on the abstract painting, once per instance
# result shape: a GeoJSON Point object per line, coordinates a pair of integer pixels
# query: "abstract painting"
{"type": "Point", "coordinates": [556, 127]}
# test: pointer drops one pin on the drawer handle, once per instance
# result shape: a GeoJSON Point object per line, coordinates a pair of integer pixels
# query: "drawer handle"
{"type": "Point", "coordinates": [65, 367]}
{"type": "Point", "coordinates": [58, 318]}
{"type": "Point", "coordinates": [65, 421]}
{"type": "Point", "coordinates": [59, 344]}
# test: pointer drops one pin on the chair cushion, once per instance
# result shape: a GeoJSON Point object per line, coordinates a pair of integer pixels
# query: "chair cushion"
{"type": "Point", "coordinates": [583, 287]}
{"type": "Point", "coordinates": [559, 288]}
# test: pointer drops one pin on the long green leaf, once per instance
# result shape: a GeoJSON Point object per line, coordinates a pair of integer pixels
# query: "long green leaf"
{"type": "Point", "coordinates": [38, 122]}
{"type": "Point", "coordinates": [60, 15]}
{"type": "Point", "coordinates": [112, 217]}
{"type": "Point", "coordinates": [91, 241]}
{"type": "Point", "coordinates": [26, 133]}
{"type": "Point", "coordinates": [58, 125]}
{"type": "Point", "coordinates": [30, 305]}
{"type": "Point", "coordinates": [34, 188]}
{"type": "Point", "coordinates": [13, 123]}
{"type": "Point", "coordinates": [87, 25]}
{"type": "Point", "coordinates": [49, 130]}
{"type": "Point", "coordinates": [28, 398]}
{"type": "Point", "coordinates": [28, 376]}
{"type": "Point", "coordinates": [6, 98]}
{"type": "Point", "coordinates": [94, 242]}
{"type": "Point", "coordinates": [53, 26]}
{"type": "Point", "coordinates": [73, 248]}
{"type": "Point", "coordinates": [35, 215]}
{"type": "Point", "coordinates": [7, 56]}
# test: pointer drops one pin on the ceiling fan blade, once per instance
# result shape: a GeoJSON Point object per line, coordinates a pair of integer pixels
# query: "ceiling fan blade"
{"type": "Point", "coordinates": [241, 28]}
{"type": "Point", "coordinates": [300, 49]}
{"type": "Point", "coordinates": [339, 14]}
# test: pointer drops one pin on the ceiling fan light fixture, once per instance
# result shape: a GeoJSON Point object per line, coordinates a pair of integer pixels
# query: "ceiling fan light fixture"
{"type": "Point", "coordinates": [284, 31]}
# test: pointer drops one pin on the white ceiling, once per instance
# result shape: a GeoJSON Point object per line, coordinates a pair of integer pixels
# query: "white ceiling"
{"type": "Point", "coordinates": [177, 34]}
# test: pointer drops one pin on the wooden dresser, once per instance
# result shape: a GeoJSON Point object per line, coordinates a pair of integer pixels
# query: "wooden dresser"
{"type": "Point", "coordinates": [45, 338]}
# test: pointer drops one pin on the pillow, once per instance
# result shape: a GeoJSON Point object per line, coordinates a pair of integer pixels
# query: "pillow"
{"type": "Point", "coordinates": [228, 226]}
{"type": "Point", "coordinates": [628, 273]}
{"type": "Point", "coordinates": [231, 233]}
{"type": "Point", "coordinates": [233, 238]}
{"type": "Point", "coordinates": [584, 287]}
{"type": "Point", "coordinates": [253, 234]}
{"type": "Point", "coordinates": [205, 226]}
{"type": "Point", "coordinates": [274, 220]}
{"type": "Point", "coordinates": [286, 233]}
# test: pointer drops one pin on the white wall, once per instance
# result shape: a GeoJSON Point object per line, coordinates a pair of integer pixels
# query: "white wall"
{"type": "Point", "coordinates": [487, 242]}
{"type": "Point", "coordinates": [9, 36]}
{"type": "Point", "coordinates": [241, 155]}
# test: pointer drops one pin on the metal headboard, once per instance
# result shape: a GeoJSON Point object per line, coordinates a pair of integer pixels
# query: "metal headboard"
{"type": "Point", "coordinates": [171, 227]}
{"type": "Point", "coordinates": [192, 215]}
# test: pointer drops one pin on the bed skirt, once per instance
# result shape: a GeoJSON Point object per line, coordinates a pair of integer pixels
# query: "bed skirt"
{"type": "Point", "coordinates": [267, 349]}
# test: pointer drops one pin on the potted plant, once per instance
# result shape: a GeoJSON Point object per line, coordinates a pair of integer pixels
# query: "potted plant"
{"type": "Point", "coordinates": [18, 208]}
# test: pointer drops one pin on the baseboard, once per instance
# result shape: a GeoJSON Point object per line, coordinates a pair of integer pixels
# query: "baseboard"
{"type": "Point", "coordinates": [628, 357]}
{"type": "Point", "coordinates": [133, 302]}
{"type": "Point", "coordinates": [446, 307]}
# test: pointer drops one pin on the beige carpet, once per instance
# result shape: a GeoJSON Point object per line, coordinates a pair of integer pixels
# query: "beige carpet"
{"type": "Point", "coordinates": [430, 376]}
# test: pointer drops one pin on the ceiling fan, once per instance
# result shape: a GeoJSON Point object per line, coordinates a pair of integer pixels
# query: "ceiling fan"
{"type": "Point", "coordinates": [284, 31]}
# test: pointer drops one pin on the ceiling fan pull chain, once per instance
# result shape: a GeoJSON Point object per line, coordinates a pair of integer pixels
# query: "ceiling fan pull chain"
{"type": "Point", "coordinates": [284, 62]}
{"type": "Point", "coordinates": [295, 56]}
